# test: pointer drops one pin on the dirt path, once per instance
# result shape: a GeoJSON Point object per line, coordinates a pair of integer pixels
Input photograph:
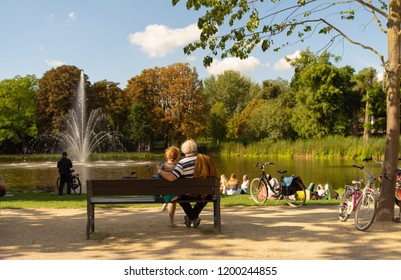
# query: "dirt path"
{"type": "Point", "coordinates": [277, 233]}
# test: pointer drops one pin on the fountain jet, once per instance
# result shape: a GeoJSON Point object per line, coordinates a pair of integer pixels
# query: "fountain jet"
{"type": "Point", "coordinates": [81, 137]}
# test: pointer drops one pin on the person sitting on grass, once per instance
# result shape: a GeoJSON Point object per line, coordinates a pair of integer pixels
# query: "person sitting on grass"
{"type": "Point", "coordinates": [245, 184]}
{"type": "Point", "coordinates": [232, 186]}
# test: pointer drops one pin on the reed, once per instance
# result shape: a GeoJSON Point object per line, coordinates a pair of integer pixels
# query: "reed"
{"type": "Point", "coordinates": [329, 147]}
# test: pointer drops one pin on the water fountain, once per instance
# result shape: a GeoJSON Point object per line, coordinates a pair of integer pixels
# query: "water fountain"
{"type": "Point", "coordinates": [83, 134]}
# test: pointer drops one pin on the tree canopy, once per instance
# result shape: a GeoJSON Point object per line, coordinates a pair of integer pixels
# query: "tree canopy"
{"type": "Point", "coordinates": [18, 110]}
{"type": "Point", "coordinates": [173, 101]}
{"type": "Point", "coordinates": [57, 89]}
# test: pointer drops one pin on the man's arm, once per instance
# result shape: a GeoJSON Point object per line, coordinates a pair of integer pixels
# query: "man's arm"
{"type": "Point", "coordinates": [166, 174]}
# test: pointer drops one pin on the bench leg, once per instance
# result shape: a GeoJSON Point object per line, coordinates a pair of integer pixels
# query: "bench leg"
{"type": "Point", "coordinates": [90, 220]}
{"type": "Point", "coordinates": [93, 219]}
{"type": "Point", "coordinates": [217, 215]}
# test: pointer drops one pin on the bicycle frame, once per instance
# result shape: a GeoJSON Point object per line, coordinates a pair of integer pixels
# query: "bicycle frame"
{"type": "Point", "coordinates": [355, 194]}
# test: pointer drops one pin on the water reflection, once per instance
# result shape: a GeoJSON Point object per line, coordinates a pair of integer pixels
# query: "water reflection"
{"type": "Point", "coordinates": [36, 176]}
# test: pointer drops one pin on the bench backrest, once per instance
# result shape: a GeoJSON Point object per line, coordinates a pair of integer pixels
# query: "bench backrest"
{"type": "Point", "coordinates": [149, 186]}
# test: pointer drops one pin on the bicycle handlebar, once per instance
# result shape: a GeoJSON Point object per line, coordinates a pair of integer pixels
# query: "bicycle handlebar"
{"type": "Point", "coordinates": [369, 173]}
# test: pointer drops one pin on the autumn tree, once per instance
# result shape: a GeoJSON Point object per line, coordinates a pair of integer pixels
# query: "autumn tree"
{"type": "Point", "coordinates": [57, 89]}
{"type": "Point", "coordinates": [143, 90]}
{"type": "Point", "coordinates": [113, 101]}
{"type": "Point", "coordinates": [173, 101]}
{"type": "Point", "coordinates": [258, 23]}
{"type": "Point", "coordinates": [18, 110]}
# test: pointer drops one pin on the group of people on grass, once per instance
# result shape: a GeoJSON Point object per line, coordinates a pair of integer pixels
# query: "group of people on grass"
{"type": "Point", "coordinates": [233, 186]}
{"type": "Point", "coordinates": [321, 192]}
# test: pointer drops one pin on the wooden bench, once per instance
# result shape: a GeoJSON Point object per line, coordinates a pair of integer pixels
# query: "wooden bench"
{"type": "Point", "coordinates": [136, 191]}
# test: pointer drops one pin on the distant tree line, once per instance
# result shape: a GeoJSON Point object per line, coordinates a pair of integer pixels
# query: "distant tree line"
{"type": "Point", "coordinates": [165, 105]}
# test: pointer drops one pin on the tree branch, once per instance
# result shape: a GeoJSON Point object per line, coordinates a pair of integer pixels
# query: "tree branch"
{"type": "Point", "coordinates": [372, 8]}
{"type": "Point", "coordinates": [381, 57]}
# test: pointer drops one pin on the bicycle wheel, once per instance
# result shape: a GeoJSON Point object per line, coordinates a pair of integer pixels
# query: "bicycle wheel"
{"type": "Point", "coordinates": [345, 206]}
{"type": "Point", "coordinates": [365, 212]}
{"type": "Point", "coordinates": [298, 198]}
{"type": "Point", "coordinates": [259, 191]}
{"type": "Point", "coordinates": [76, 185]}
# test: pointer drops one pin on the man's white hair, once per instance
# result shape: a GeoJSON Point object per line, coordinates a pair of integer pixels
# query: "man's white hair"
{"type": "Point", "coordinates": [189, 147]}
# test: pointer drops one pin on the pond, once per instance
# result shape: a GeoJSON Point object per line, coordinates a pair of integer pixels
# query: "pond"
{"type": "Point", "coordinates": [28, 176]}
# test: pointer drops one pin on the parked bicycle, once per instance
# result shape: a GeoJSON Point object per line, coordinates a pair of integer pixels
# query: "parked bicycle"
{"type": "Point", "coordinates": [362, 199]}
{"type": "Point", "coordinates": [291, 188]}
{"type": "Point", "coordinates": [76, 183]}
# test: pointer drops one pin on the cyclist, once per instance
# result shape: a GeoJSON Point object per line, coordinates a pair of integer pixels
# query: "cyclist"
{"type": "Point", "coordinates": [64, 166]}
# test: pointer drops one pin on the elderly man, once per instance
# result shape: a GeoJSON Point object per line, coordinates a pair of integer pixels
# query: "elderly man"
{"type": "Point", "coordinates": [185, 169]}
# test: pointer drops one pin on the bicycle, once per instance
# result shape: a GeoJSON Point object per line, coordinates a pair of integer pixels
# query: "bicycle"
{"type": "Point", "coordinates": [291, 188]}
{"type": "Point", "coordinates": [76, 186]}
{"type": "Point", "coordinates": [362, 199]}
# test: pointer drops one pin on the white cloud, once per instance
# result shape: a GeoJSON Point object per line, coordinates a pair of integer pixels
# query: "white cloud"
{"type": "Point", "coordinates": [159, 40]}
{"type": "Point", "coordinates": [54, 63]}
{"type": "Point", "coordinates": [244, 66]}
{"type": "Point", "coordinates": [191, 58]}
{"type": "Point", "coordinates": [282, 64]}
{"type": "Point", "coordinates": [380, 74]}
{"type": "Point", "coordinates": [72, 16]}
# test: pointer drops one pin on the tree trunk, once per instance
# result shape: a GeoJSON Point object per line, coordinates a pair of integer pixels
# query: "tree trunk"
{"type": "Point", "coordinates": [386, 202]}
{"type": "Point", "coordinates": [366, 123]}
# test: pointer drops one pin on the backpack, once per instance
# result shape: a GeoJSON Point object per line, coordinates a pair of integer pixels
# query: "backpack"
{"type": "Point", "coordinates": [204, 167]}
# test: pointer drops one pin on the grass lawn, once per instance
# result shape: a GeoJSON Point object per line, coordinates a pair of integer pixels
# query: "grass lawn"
{"type": "Point", "coordinates": [52, 200]}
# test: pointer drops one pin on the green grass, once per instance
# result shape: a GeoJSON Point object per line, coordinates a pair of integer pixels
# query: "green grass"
{"type": "Point", "coordinates": [53, 201]}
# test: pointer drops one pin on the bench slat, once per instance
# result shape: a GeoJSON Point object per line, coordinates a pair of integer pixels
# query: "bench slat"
{"type": "Point", "coordinates": [121, 200]}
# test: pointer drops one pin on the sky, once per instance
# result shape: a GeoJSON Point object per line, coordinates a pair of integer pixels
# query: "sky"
{"type": "Point", "coordinates": [116, 40]}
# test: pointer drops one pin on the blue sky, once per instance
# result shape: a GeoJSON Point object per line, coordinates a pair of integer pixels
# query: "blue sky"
{"type": "Point", "coordinates": [117, 39]}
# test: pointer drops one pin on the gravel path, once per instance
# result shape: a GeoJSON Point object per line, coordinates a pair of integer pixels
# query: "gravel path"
{"type": "Point", "coordinates": [248, 233]}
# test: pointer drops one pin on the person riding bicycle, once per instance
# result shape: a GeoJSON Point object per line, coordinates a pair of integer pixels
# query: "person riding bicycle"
{"type": "Point", "coordinates": [64, 166]}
